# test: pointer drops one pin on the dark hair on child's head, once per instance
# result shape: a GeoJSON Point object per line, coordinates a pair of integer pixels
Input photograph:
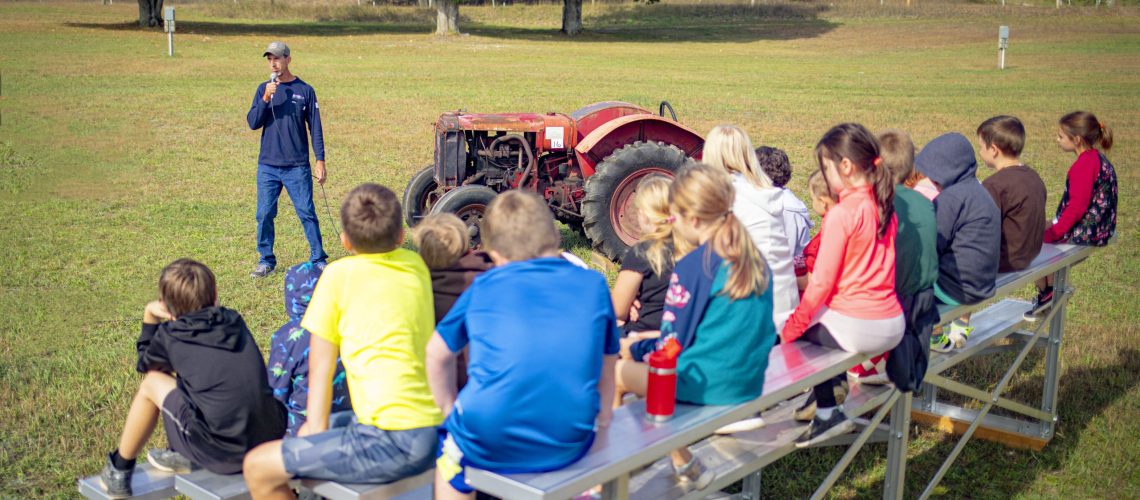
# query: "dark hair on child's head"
{"type": "Point", "coordinates": [897, 151]}
{"type": "Point", "coordinates": [441, 239]}
{"type": "Point", "coordinates": [855, 143]}
{"type": "Point", "coordinates": [775, 163]}
{"type": "Point", "coordinates": [519, 226]}
{"type": "Point", "coordinates": [1084, 125]}
{"type": "Point", "coordinates": [187, 285]}
{"type": "Point", "coordinates": [1005, 132]}
{"type": "Point", "coordinates": [817, 186]}
{"type": "Point", "coordinates": [370, 216]}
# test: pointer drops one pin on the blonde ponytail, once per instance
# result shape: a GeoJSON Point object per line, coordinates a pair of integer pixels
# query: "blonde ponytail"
{"type": "Point", "coordinates": [705, 193]}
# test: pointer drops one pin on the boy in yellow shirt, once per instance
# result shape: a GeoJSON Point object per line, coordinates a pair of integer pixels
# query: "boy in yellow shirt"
{"type": "Point", "coordinates": [376, 308]}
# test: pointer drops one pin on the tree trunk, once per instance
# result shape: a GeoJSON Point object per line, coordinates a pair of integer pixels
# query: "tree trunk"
{"type": "Point", "coordinates": [571, 17]}
{"type": "Point", "coordinates": [447, 17]}
{"type": "Point", "coordinates": [150, 13]}
{"type": "Point", "coordinates": [423, 3]}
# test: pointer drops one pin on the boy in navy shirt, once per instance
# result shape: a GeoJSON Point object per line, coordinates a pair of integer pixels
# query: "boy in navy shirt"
{"type": "Point", "coordinates": [543, 343]}
{"type": "Point", "coordinates": [285, 108]}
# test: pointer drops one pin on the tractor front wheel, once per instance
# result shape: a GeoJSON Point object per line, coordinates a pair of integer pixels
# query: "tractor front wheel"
{"type": "Point", "coordinates": [607, 210]}
{"type": "Point", "coordinates": [419, 195]}
{"type": "Point", "coordinates": [468, 203]}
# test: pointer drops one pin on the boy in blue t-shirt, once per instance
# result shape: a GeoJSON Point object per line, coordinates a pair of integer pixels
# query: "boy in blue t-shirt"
{"type": "Point", "coordinates": [543, 343]}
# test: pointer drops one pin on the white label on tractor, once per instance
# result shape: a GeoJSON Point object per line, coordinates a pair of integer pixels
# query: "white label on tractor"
{"type": "Point", "coordinates": [555, 136]}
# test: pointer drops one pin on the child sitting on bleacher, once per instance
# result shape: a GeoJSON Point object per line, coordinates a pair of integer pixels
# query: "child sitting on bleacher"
{"type": "Point", "coordinates": [759, 206]}
{"type": "Point", "coordinates": [444, 243]}
{"type": "Point", "coordinates": [797, 222]}
{"type": "Point", "coordinates": [969, 232]}
{"type": "Point", "coordinates": [1086, 214]}
{"type": "Point", "coordinates": [850, 300]}
{"type": "Point", "coordinates": [648, 264]}
{"type": "Point", "coordinates": [1017, 190]}
{"type": "Point", "coordinates": [543, 340]}
{"type": "Point", "coordinates": [719, 308]}
{"type": "Point", "coordinates": [374, 307]}
{"type": "Point", "coordinates": [206, 378]}
{"type": "Point", "coordinates": [289, 352]}
{"type": "Point", "coordinates": [822, 199]}
{"type": "Point", "coordinates": [916, 265]}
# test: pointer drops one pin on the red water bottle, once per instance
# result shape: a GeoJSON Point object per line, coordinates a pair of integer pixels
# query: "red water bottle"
{"type": "Point", "coordinates": [661, 395]}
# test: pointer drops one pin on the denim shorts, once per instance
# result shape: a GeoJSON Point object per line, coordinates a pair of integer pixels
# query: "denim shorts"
{"type": "Point", "coordinates": [355, 453]}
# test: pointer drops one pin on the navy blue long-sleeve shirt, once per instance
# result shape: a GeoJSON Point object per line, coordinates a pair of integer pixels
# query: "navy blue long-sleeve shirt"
{"type": "Point", "coordinates": [284, 121]}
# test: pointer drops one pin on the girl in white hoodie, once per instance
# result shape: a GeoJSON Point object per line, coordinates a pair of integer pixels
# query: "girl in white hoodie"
{"type": "Point", "coordinates": [759, 206]}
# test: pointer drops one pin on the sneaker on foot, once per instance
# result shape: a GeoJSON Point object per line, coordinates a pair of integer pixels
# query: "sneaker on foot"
{"type": "Point", "coordinates": [169, 460]}
{"type": "Point", "coordinates": [820, 430]}
{"type": "Point", "coordinates": [261, 271]}
{"type": "Point", "coordinates": [959, 334]}
{"type": "Point", "coordinates": [940, 342]}
{"type": "Point", "coordinates": [116, 482]}
{"type": "Point", "coordinates": [748, 424]}
{"type": "Point", "coordinates": [806, 412]}
{"type": "Point", "coordinates": [1041, 305]}
{"type": "Point", "coordinates": [694, 473]}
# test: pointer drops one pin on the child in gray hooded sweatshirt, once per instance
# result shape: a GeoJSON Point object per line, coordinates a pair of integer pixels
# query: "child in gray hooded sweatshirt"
{"type": "Point", "coordinates": [969, 224]}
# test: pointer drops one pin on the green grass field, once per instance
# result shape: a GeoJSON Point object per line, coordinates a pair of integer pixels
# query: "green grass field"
{"type": "Point", "coordinates": [116, 159]}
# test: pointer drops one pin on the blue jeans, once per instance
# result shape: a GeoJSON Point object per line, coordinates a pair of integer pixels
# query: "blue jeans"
{"type": "Point", "coordinates": [351, 452]}
{"type": "Point", "coordinates": [298, 182]}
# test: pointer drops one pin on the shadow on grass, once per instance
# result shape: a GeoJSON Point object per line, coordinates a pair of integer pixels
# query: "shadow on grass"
{"type": "Point", "coordinates": [682, 23]}
{"type": "Point", "coordinates": [1084, 394]}
{"type": "Point", "coordinates": [312, 28]}
{"type": "Point", "coordinates": [637, 23]}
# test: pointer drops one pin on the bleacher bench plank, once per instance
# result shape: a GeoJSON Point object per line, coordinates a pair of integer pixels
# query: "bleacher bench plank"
{"type": "Point", "coordinates": [147, 483]}
{"type": "Point", "coordinates": [202, 484]}
{"type": "Point", "coordinates": [411, 488]}
{"type": "Point", "coordinates": [631, 441]}
{"type": "Point", "coordinates": [734, 457]}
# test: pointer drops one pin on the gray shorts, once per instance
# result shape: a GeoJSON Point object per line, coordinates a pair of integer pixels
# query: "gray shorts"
{"type": "Point", "coordinates": [350, 452]}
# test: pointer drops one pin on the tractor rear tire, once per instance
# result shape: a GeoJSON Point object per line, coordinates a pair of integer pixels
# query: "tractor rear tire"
{"type": "Point", "coordinates": [419, 195]}
{"type": "Point", "coordinates": [608, 219]}
{"type": "Point", "coordinates": [468, 203]}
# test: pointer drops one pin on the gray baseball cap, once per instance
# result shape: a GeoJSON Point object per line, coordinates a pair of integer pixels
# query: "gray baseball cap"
{"type": "Point", "coordinates": [278, 49]}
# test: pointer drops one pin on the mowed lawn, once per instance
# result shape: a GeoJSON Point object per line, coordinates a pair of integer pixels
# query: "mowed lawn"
{"type": "Point", "coordinates": [116, 159]}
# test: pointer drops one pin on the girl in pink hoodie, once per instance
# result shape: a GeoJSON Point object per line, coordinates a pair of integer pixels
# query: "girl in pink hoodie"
{"type": "Point", "coordinates": [850, 300]}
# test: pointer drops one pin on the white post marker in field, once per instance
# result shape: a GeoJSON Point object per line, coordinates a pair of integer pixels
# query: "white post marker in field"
{"type": "Point", "coordinates": [1003, 42]}
{"type": "Point", "coordinates": [168, 27]}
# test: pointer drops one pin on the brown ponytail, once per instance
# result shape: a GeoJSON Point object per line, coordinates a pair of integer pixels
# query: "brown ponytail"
{"type": "Point", "coordinates": [1093, 132]}
{"type": "Point", "coordinates": [706, 193]}
{"type": "Point", "coordinates": [854, 142]}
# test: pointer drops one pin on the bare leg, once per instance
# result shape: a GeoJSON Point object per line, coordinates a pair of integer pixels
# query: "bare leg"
{"type": "Point", "coordinates": [144, 412]}
{"type": "Point", "coordinates": [444, 491]}
{"type": "Point", "coordinates": [264, 471]}
{"type": "Point", "coordinates": [634, 377]}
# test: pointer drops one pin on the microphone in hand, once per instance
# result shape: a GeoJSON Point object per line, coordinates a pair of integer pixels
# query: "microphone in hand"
{"type": "Point", "coordinates": [271, 87]}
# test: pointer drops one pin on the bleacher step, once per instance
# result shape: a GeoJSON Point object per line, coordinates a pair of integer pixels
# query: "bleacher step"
{"type": "Point", "coordinates": [147, 483]}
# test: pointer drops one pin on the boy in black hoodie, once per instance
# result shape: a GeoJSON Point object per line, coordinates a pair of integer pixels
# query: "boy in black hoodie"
{"type": "Point", "coordinates": [219, 404]}
{"type": "Point", "coordinates": [969, 230]}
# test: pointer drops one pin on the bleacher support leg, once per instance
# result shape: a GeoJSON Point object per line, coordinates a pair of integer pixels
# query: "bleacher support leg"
{"type": "Point", "coordinates": [1053, 355]}
{"type": "Point", "coordinates": [852, 450]}
{"type": "Point", "coordinates": [750, 490]}
{"type": "Point", "coordinates": [617, 489]}
{"type": "Point", "coordinates": [895, 483]}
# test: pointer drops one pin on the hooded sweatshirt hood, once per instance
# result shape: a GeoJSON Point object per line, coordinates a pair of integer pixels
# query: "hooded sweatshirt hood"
{"type": "Point", "coordinates": [300, 281]}
{"type": "Point", "coordinates": [947, 160]}
{"type": "Point", "coordinates": [214, 327]}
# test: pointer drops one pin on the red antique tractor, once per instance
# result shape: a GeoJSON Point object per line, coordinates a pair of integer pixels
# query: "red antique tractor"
{"type": "Point", "coordinates": [586, 165]}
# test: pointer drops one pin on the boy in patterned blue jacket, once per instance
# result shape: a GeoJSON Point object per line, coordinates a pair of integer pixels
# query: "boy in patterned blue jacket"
{"type": "Point", "coordinates": [288, 364]}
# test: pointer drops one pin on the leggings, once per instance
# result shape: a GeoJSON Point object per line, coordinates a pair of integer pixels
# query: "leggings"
{"type": "Point", "coordinates": [824, 392]}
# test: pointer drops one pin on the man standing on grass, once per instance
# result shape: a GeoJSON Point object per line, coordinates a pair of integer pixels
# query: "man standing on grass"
{"type": "Point", "coordinates": [282, 108]}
